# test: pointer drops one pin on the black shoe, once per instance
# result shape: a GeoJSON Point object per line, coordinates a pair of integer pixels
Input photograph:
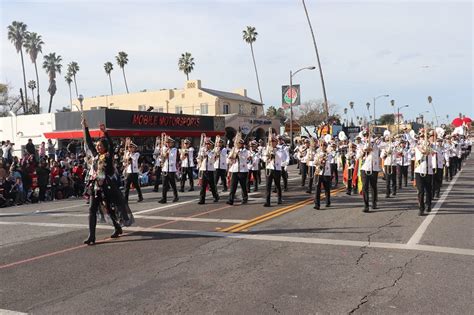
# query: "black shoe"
{"type": "Point", "coordinates": [437, 195]}
{"type": "Point", "coordinates": [328, 205]}
{"type": "Point", "coordinates": [245, 201]}
{"type": "Point", "coordinates": [266, 204]}
{"type": "Point", "coordinates": [274, 191]}
{"type": "Point", "coordinates": [140, 199]}
{"type": "Point", "coordinates": [216, 199]}
{"type": "Point", "coordinates": [316, 207]}
{"type": "Point", "coordinates": [387, 196]}
{"type": "Point", "coordinates": [181, 190]}
{"type": "Point", "coordinates": [230, 202]}
{"type": "Point", "coordinates": [428, 209]}
{"type": "Point", "coordinates": [191, 189]}
{"type": "Point", "coordinates": [375, 206]}
{"type": "Point", "coordinates": [394, 193]}
{"type": "Point", "coordinates": [201, 202]}
{"type": "Point", "coordinates": [366, 209]}
{"type": "Point", "coordinates": [117, 233]}
{"type": "Point", "coordinates": [155, 190]}
{"type": "Point", "coordinates": [162, 201]}
{"type": "Point", "coordinates": [90, 241]}
{"type": "Point", "coordinates": [175, 199]}
{"type": "Point", "coordinates": [224, 190]}
{"type": "Point", "coordinates": [285, 189]}
{"type": "Point", "coordinates": [348, 193]}
{"type": "Point", "coordinates": [280, 201]}
{"type": "Point", "coordinates": [308, 191]}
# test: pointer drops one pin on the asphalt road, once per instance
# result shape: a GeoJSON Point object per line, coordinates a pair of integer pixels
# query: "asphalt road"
{"type": "Point", "coordinates": [245, 259]}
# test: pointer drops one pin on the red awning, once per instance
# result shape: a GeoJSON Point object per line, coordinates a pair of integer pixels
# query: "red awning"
{"type": "Point", "coordinates": [96, 133]}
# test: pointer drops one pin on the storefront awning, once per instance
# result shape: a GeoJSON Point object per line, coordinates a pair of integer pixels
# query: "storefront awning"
{"type": "Point", "coordinates": [96, 133]}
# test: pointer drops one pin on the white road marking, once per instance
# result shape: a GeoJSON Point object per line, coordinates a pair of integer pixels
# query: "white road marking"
{"type": "Point", "coordinates": [8, 312]}
{"type": "Point", "coordinates": [416, 237]}
{"type": "Point", "coordinates": [267, 237]}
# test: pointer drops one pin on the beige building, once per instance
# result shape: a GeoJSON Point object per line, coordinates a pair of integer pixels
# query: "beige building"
{"type": "Point", "coordinates": [241, 112]}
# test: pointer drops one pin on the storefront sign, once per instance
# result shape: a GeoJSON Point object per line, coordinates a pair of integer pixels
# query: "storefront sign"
{"type": "Point", "coordinates": [150, 120]}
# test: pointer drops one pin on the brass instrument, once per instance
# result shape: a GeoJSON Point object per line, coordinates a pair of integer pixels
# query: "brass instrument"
{"type": "Point", "coordinates": [164, 152]}
{"type": "Point", "coordinates": [369, 148]}
{"type": "Point", "coordinates": [126, 154]}
{"type": "Point", "coordinates": [183, 151]}
{"type": "Point", "coordinates": [311, 154]}
{"type": "Point", "coordinates": [425, 150]}
{"type": "Point", "coordinates": [269, 150]}
{"type": "Point", "coordinates": [201, 154]}
{"type": "Point", "coordinates": [216, 147]}
{"type": "Point", "coordinates": [233, 155]}
{"type": "Point", "coordinates": [320, 160]}
{"type": "Point", "coordinates": [389, 152]}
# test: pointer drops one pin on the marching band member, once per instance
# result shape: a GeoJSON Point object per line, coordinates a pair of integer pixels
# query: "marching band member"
{"type": "Point", "coordinates": [274, 158]}
{"type": "Point", "coordinates": [157, 157]}
{"type": "Point", "coordinates": [412, 145]}
{"type": "Point", "coordinates": [302, 155]}
{"type": "Point", "coordinates": [389, 166]}
{"type": "Point", "coordinates": [261, 165]}
{"type": "Point", "coordinates": [310, 164]}
{"type": "Point", "coordinates": [169, 156]}
{"type": "Point", "coordinates": [423, 172]}
{"type": "Point", "coordinates": [332, 156]}
{"type": "Point", "coordinates": [323, 174]}
{"type": "Point", "coordinates": [438, 167]}
{"type": "Point", "coordinates": [370, 169]}
{"type": "Point", "coordinates": [253, 165]}
{"type": "Point", "coordinates": [350, 164]}
{"type": "Point", "coordinates": [206, 160]}
{"type": "Point", "coordinates": [187, 165]}
{"type": "Point", "coordinates": [452, 158]}
{"type": "Point", "coordinates": [238, 170]}
{"type": "Point", "coordinates": [131, 170]}
{"type": "Point", "coordinates": [447, 157]}
{"type": "Point", "coordinates": [403, 161]}
{"type": "Point", "coordinates": [220, 163]}
{"type": "Point", "coordinates": [284, 173]}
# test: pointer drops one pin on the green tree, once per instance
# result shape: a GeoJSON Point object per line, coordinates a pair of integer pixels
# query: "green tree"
{"type": "Point", "coordinates": [17, 34]}
{"type": "Point", "coordinates": [34, 45]}
{"type": "Point", "coordinates": [122, 60]}
{"type": "Point", "coordinates": [72, 69]}
{"type": "Point", "coordinates": [313, 113]}
{"type": "Point", "coordinates": [250, 36]}
{"type": "Point", "coordinates": [186, 64]}
{"type": "Point", "coordinates": [387, 119]}
{"type": "Point", "coordinates": [271, 111]}
{"type": "Point", "coordinates": [52, 65]}
{"type": "Point", "coordinates": [108, 67]}
{"type": "Point", "coordinates": [68, 80]}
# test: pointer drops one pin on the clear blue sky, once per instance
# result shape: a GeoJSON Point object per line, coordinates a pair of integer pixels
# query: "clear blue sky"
{"type": "Point", "coordinates": [405, 49]}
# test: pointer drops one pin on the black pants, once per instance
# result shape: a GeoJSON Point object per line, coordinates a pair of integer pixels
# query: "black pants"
{"type": "Point", "coordinates": [369, 181]}
{"type": "Point", "coordinates": [349, 187]}
{"type": "Point", "coordinates": [423, 185]}
{"type": "Point", "coordinates": [311, 170]}
{"type": "Point", "coordinates": [169, 181]}
{"type": "Point", "coordinates": [132, 178]}
{"type": "Point", "coordinates": [391, 179]}
{"type": "Point", "coordinates": [97, 200]}
{"type": "Point", "coordinates": [402, 174]}
{"type": "Point", "coordinates": [323, 181]}
{"type": "Point", "coordinates": [187, 172]}
{"type": "Point", "coordinates": [452, 167]}
{"type": "Point", "coordinates": [42, 192]}
{"type": "Point", "coordinates": [284, 176]}
{"type": "Point", "coordinates": [459, 162]}
{"type": "Point", "coordinates": [157, 178]}
{"type": "Point", "coordinates": [220, 174]}
{"type": "Point", "coordinates": [334, 174]}
{"type": "Point", "coordinates": [208, 179]}
{"type": "Point", "coordinates": [304, 173]}
{"type": "Point", "coordinates": [235, 179]}
{"type": "Point", "coordinates": [272, 176]}
{"type": "Point", "coordinates": [437, 181]}
{"type": "Point", "coordinates": [254, 175]}
{"type": "Point", "coordinates": [412, 169]}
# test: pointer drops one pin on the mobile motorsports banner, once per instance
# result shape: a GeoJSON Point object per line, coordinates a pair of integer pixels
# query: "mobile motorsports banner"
{"type": "Point", "coordinates": [290, 97]}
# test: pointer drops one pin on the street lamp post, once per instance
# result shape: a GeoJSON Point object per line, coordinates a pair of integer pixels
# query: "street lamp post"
{"type": "Point", "coordinates": [398, 117]}
{"type": "Point", "coordinates": [290, 91]}
{"type": "Point", "coordinates": [80, 98]}
{"type": "Point", "coordinates": [375, 98]}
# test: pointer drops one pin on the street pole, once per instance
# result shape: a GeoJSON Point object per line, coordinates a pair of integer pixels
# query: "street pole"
{"type": "Point", "coordinates": [291, 109]}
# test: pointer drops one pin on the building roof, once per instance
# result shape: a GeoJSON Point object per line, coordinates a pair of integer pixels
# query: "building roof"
{"type": "Point", "coordinates": [231, 96]}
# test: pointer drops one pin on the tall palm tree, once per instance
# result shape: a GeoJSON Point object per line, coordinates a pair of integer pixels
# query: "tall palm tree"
{"type": "Point", "coordinates": [34, 45]}
{"type": "Point", "coordinates": [17, 34]}
{"type": "Point", "coordinates": [108, 67]}
{"type": "Point", "coordinates": [68, 79]}
{"type": "Point", "coordinates": [73, 68]}
{"type": "Point", "coordinates": [250, 36]}
{"type": "Point", "coordinates": [122, 60]}
{"type": "Point", "coordinates": [32, 87]}
{"type": "Point", "coordinates": [186, 64]}
{"type": "Point", "coordinates": [52, 65]}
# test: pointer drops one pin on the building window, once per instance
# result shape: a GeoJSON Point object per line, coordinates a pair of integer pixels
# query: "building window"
{"type": "Point", "coordinates": [142, 108]}
{"type": "Point", "coordinates": [226, 109]}
{"type": "Point", "coordinates": [204, 109]}
{"type": "Point", "coordinates": [241, 109]}
{"type": "Point", "coordinates": [254, 110]}
{"type": "Point", "coordinates": [179, 109]}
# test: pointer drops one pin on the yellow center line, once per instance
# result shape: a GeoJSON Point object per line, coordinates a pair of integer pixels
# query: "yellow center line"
{"type": "Point", "coordinates": [241, 226]}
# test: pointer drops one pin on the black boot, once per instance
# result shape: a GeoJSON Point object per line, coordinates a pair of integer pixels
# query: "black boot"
{"type": "Point", "coordinates": [117, 233]}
